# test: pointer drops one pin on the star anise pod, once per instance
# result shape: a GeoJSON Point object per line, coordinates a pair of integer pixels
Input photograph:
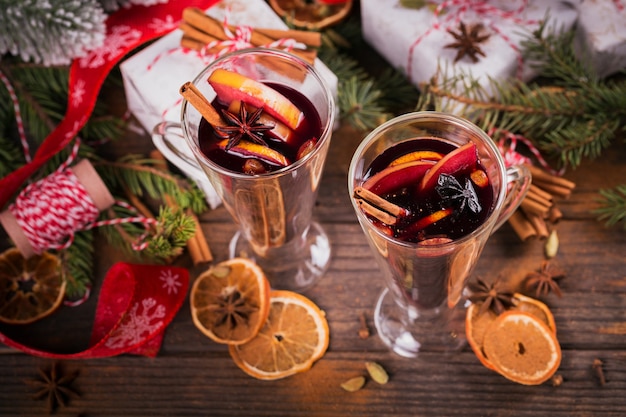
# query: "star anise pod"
{"type": "Point", "coordinates": [53, 385]}
{"type": "Point", "coordinates": [245, 125]}
{"type": "Point", "coordinates": [493, 296]}
{"type": "Point", "coordinates": [233, 308]}
{"type": "Point", "coordinates": [467, 41]}
{"type": "Point", "coordinates": [544, 281]}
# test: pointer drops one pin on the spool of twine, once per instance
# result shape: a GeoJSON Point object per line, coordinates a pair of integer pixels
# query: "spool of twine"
{"type": "Point", "coordinates": [47, 213]}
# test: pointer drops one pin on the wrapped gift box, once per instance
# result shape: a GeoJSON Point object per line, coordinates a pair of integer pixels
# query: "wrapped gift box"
{"type": "Point", "coordinates": [601, 35]}
{"type": "Point", "coordinates": [414, 40]}
{"type": "Point", "coordinates": [153, 76]}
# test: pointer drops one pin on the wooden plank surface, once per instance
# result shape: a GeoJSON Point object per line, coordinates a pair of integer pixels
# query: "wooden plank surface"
{"type": "Point", "coordinates": [193, 376]}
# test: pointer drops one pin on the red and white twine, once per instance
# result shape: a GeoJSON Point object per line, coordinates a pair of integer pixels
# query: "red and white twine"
{"type": "Point", "coordinates": [455, 12]}
{"type": "Point", "coordinates": [507, 144]}
{"type": "Point", "coordinates": [50, 211]}
{"type": "Point", "coordinates": [18, 116]}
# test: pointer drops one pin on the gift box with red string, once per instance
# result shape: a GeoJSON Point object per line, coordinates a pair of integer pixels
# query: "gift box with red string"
{"type": "Point", "coordinates": [153, 76]}
{"type": "Point", "coordinates": [601, 35]}
{"type": "Point", "coordinates": [472, 37]}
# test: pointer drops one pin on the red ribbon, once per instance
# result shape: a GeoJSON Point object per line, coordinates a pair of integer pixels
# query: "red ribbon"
{"type": "Point", "coordinates": [126, 29]}
{"type": "Point", "coordinates": [136, 303]}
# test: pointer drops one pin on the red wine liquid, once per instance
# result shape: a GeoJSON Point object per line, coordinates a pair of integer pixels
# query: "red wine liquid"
{"type": "Point", "coordinates": [460, 222]}
{"type": "Point", "coordinates": [309, 129]}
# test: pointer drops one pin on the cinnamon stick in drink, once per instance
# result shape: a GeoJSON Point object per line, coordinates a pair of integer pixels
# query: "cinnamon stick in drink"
{"type": "Point", "coordinates": [191, 93]}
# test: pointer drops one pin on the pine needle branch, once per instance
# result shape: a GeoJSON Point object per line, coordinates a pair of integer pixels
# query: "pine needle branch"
{"type": "Point", "coordinates": [613, 206]}
{"type": "Point", "coordinates": [77, 265]}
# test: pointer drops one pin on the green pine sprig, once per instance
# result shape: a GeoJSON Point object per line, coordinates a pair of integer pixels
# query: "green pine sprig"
{"type": "Point", "coordinates": [613, 206]}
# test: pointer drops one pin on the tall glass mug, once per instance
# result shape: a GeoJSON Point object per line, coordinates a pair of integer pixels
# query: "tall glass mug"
{"type": "Point", "coordinates": [419, 309]}
{"type": "Point", "coordinates": [274, 209]}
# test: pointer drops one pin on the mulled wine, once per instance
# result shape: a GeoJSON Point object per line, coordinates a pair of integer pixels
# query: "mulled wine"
{"type": "Point", "coordinates": [429, 190]}
{"type": "Point", "coordinates": [279, 145]}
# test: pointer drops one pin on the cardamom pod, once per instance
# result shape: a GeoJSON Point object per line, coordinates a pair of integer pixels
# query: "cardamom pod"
{"type": "Point", "coordinates": [377, 372]}
{"type": "Point", "coordinates": [354, 384]}
{"type": "Point", "coordinates": [552, 245]}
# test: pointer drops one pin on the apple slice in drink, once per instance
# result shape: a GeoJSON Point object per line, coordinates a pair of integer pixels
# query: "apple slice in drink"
{"type": "Point", "coordinates": [230, 86]}
{"type": "Point", "coordinates": [462, 159]}
{"type": "Point", "coordinates": [396, 177]}
{"type": "Point", "coordinates": [251, 149]}
{"type": "Point", "coordinates": [280, 131]}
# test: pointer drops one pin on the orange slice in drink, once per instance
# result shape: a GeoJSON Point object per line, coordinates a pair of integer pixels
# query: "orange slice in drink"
{"type": "Point", "coordinates": [230, 86]}
{"type": "Point", "coordinates": [251, 149]}
{"type": "Point", "coordinates": [230, 301]}
{"type": "Point", "coordinates": [30, 289]}
{"type": "Point", "coordinates": [417, 156]}
{"type": "Point", "coordinates": [295, 335]}
{"type": "Point", "coordinates": [522, 348]}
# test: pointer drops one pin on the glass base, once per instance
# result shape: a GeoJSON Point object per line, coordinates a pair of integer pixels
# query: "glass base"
{"type": "Point", "coordinates": [294, 266]}
{"type": "Point", "coordinates": [408, 332]}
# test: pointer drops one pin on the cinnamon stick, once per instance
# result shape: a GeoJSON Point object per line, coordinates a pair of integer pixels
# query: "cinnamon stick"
{"type": "Point", "coordinates": [531, 206]}
{"type": "Point", "coordinates": [542, 177]}
{"type": "Point", "coordinates": [539, 225]}
{"type": "Point", "coordinates": [522, 227]}
{"type": "Point", "coordinates": [539, 194]}
{"type": "Point", "coordinates": [191, 93]}
{"type": "Point", "coordinates": [376, 212]}
{"type": "Point", "coordinates": [374, 199]}
{"type": "Point", "coordinates": [204, 28]}
{"type": "Point", "coordinates": [306, 37]}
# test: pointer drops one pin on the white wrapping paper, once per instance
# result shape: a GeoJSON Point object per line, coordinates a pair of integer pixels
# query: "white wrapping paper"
{"type": "Point", "coordinates": [414, 41]}
{"type": "Point", "coordinates": [601, 35]}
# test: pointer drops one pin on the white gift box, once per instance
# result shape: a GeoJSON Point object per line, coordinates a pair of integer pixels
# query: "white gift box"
{"type": "Point", "coordinates": [153, 76]}
{"type": "Point", "coordinates": [414, 40]}
{"type": "Point", "coordinates": [601, 35]}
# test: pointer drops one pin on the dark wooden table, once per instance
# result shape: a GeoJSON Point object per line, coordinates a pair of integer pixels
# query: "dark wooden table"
{"type": "Point", "coordinates": [194, 376]}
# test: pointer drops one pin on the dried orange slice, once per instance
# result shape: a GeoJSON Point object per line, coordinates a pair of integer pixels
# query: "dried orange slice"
{"type": "Point", "coordinates": [230, 301]}
{"type": "Point", "coordinates": [522, 348]}
{"type": "Point", "coordinates": [30, 289]}
{"type": "Point", "coordinates": [295, 335]}
{"type": "Point", "coordinates": [477, 325]}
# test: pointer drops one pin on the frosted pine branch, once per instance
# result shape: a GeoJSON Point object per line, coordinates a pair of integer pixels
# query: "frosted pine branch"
{"type": "Point", "coordinates": [50, 32]}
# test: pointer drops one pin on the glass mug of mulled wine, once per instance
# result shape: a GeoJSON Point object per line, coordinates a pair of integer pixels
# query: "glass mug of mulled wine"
{"type": "Point", "coordinates": [429, 189]}
{"type": "Point", "coordinates": [265, 157]}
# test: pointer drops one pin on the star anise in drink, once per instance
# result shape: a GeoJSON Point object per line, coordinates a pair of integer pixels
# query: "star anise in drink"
{"type": "Point", "coordinates": [492, 296]}
{"type": "Point", "coordinates": [246, 125]}
{"type": "Point", "coordinates": [545, 281]}
{"type": "Point", "coordinates": [467, 41]}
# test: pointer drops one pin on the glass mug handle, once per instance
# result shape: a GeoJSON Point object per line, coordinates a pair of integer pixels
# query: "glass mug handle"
{"type": "Point", "coordinates": [169, 139]}
{"type": "Point", "coordinates": [518, 179]}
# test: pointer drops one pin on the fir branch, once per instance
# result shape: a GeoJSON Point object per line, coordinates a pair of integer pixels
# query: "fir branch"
{"type": "Point", "coordinates": [551, 52]}
{"type": "Point", "coordinates": [397, 93]}
{"type": "Point", "coordinates": [613, 206]}
{"type": "Point", "coordinates": [358, 104]}
{"type": "Point", "coordinates": [173, 230]}
{"type": "Point", "coordinates": [165, 240]}
{"type": "Point", "coordinates": [77, 265]}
